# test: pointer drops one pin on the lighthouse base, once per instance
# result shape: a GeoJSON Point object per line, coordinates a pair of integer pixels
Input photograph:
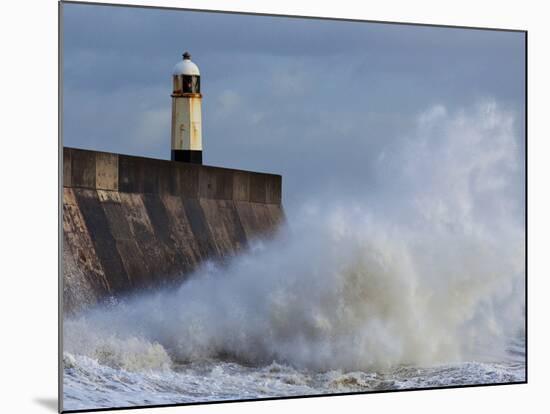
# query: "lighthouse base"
{"type": "Point", "coordinates": [192, 156]}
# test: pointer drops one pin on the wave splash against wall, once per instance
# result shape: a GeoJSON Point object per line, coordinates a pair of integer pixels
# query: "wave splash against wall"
{"type": "Point", "coordinates": [436, 277]}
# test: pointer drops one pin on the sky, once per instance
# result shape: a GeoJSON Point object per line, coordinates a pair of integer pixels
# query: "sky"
{"type": "Point", "coordinates": [335, 107]}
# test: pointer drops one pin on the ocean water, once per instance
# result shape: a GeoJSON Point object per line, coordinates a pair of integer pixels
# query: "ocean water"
{"type": "Point", "coordinates": [421, 284]}
{"type": "Point", "coordinates": [368, 314]}
{"type": "Point", "coordinates": [88, 383]}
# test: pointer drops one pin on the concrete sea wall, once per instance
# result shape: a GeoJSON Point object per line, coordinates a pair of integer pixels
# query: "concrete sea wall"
{"type": "Point", "coordinates": [132, 223]}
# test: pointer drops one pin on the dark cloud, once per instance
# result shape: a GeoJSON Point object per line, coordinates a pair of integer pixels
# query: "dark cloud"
{"type": "Point", "coordinates": [315, 100]}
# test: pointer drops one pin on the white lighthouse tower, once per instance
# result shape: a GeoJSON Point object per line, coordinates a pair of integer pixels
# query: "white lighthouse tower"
{"type": "Point", "coordinates": [186, 112]}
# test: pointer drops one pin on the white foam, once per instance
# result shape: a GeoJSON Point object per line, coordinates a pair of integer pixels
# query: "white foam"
{"type": "Point", "coordinates": [433, 277]}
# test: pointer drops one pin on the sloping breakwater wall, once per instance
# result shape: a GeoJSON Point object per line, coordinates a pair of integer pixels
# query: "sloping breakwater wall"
{"type": "Point", "coordinates": [133, 223]}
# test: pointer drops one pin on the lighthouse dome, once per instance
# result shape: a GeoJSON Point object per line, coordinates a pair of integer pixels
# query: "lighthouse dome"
{"type": "Point", "coordinates": [186, 67]}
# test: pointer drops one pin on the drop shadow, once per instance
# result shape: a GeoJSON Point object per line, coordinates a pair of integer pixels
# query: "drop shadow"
{"type": "Point", "coordinates": [49, 403]}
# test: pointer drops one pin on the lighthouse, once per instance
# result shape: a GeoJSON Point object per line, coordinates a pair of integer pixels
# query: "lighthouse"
{"type": "Point", "coordinates": [186, 112]}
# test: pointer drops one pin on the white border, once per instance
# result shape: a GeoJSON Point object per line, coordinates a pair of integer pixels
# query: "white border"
{"type": "Point", "coordinates": [29, 203]}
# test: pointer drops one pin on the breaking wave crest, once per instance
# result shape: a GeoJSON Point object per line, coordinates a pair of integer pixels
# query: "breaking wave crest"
{"type": "Point", "coordinates": [430, 273]}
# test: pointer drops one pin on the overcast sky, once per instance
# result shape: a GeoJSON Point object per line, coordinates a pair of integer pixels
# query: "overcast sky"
{"type": "Point", "coordinates": [318, 101]}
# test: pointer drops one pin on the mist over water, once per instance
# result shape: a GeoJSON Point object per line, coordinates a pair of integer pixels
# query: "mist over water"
{"type": "Point", "coordinates": [427, 271]}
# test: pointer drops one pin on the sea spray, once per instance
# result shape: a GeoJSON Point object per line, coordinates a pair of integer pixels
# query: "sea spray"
{"type": "Point", "coordinates": [429, 273]}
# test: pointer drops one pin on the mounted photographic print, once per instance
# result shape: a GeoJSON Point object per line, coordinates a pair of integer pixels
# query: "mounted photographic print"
{"type": "Point", "coordinates": [260, 207]}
